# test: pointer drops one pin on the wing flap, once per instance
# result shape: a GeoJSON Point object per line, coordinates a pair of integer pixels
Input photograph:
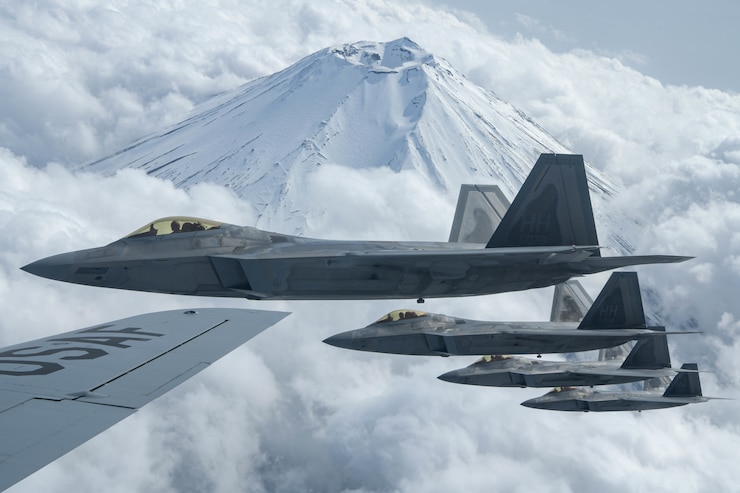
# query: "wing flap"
{"type": "Point", "coordinates": [39, 431]}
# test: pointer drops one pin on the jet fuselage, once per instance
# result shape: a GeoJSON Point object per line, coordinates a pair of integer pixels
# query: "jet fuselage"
{"type": "Point", "coordinates": [580, 399]}
{"type": "Point", "coordinates": [236, 261]}
{"type": "Point", "coordinates": [430, 334]}
{"type": "Point", "coordinates": [526, 372]}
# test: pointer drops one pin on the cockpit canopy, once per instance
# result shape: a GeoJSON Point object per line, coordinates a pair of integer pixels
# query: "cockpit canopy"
{"type": "Point", "coordinates": [557, 390]}
{"type": "Point", "coordinates": [492, 357]}
{"type": "Point", "coordinates": [174, 225]}
{"type": "Point", "coordinates": [397, 315]}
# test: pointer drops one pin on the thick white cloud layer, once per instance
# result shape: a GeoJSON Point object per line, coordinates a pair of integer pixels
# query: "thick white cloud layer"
{"type": "Point", "coordinates": [287, 413]}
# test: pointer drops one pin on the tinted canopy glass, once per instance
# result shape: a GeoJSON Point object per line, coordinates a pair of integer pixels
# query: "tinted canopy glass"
{"type": "Point", "coordinates": [397, 315]}
{"type": "Point", "coordinates": [174, 225]}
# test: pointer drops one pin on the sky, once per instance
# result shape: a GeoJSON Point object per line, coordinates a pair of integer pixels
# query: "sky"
{"type": "Point", "coordinates": [678, 43]}
{"type": "Point", "coordinates": [80, 80]}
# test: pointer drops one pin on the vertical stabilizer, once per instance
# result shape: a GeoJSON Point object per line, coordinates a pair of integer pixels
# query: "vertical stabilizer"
{"type": "Point", "coordinates": [553, 207]}
{"type": "Point", "coordinates": [685, 383]}
{"type": "Point", "coordinates": [656, 383]}
{"type": "Point", "coordinates": [478, 214]}
{"type": "Point", "coordinates": [616, 352]}
{"type": "Point", "coordinates": [650, 353]}
{"type": "Point", "coordinates": [570, 302]}
{"type": "Point", "coordinates": [618, 306]}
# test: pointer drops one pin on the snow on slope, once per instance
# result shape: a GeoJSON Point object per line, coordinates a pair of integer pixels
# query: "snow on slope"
{"type": "Point", "coordinates": [362, 106]}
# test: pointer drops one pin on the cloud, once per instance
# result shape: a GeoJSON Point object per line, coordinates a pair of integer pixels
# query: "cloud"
{"type": "Point", "coordinates": [80, 80]}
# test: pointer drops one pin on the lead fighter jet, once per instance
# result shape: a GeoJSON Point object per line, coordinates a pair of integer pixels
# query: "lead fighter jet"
{"type": "Point", "coordinates": [547, 236]}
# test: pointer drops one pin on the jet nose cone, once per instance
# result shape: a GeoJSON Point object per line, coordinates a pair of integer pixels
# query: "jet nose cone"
{"type": "Point", "coordinates": [55, 267]}
{"type": "Point", "coordinates": [339, 340]}
{"type": "Point", "coordinates": [454, 376]}
{"type": "Point", "coordinates": [533, 403]}
{"type": "Point", "coordinates": [354, 339]}
{"type": "Point", "coordinates": [541, 402]}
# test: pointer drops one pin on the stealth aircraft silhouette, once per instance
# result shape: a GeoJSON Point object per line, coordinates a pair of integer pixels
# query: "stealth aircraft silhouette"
{"type": "Point", "coordinates": [685, 388]}
{"type": "Point", "coordinates": [615, 318]}
{"type": "Point", "coordinates": [648, 359]}
{"type": "Point", "coordinates": [547, 236]}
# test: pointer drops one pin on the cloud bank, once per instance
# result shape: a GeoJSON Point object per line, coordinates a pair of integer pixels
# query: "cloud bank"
{"type": "Point", "coordinates": [287, 413]}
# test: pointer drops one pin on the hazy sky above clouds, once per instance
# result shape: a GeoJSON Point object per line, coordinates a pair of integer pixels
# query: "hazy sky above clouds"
{"type": "Point", "coordinates": [679, 42]}
{"type": "Point", "coordinates": [82, 79]}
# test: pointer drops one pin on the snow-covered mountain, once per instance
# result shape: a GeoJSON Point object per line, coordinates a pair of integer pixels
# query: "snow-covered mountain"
{"type": "Point", "coordinates": [361, 105]}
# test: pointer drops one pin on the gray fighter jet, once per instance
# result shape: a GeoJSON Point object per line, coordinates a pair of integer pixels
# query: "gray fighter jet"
{"type": "Point", "coordinates": [615, 318]}
{"type": "Point", "coordinates": [685, 388]}
{"type": "Point", "coordinates": [547, 236]}
{"type": "Point", "coordinates": [648, 359]}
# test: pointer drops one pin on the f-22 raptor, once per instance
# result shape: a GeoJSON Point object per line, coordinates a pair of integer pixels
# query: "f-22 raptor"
{"type": "Point", "coordinates": [648, 359]}
{"type": "Point", "coordinates": [616, 317]}
{"type": "Point", "coordinates": [685, 388]}
{"type": "Point", "coordinates": [547, 236]}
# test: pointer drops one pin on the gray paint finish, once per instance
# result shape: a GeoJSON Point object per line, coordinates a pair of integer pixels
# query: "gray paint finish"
{"type": "Point", "coordinates": [546, 237]}
{"type": "Point", "coordinates": [58, 392]}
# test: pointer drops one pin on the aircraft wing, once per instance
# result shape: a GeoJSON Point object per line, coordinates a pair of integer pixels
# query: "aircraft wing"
{"type": "Point", "coordinates": [58, 392]}
{"type": "Point", "coordinates": [409, 252]}
{"type": "Point", "coordinates": [453, 263]}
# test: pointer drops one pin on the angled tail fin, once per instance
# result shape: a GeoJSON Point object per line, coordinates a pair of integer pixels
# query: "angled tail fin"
{"type": "Point", "coordinates": [651, 353]}
{"type": "Point", "coordinates": [685, 383]}
{"type": "Point", "coordinates": [570, 302]}
{"type": "Point", "coordinates": [478, 214]}
{"type": "Point", "coordinates": [553, 207]}
{"type": "Point", "coordinates": [618, 306]}
{"type": "Point", "coordinates": [656, 383]}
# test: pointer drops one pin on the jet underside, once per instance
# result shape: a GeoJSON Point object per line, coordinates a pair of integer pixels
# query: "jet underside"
{"type": "Point", "coordinates": [549, 374]}
{"type": "Point", "coordinates": [608, 401]}
{"type": "Point", "coordinates": [483, 339]}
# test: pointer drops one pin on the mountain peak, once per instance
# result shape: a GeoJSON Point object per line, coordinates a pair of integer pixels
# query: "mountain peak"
{"type": "Point", "coordinates": [389, 56]}
{"type": "Point", "coordinates": [363, 105]}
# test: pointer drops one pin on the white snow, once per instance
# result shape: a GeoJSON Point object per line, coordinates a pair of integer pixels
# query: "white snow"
{"type": "Point", "coordinates": [362, 106]}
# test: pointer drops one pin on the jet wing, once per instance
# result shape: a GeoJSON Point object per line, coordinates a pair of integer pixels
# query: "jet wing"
{"type": "Point", "coordinates": [58, 392]}
{"type": "Point", "coordinates": [410, 257]}
{"type": "Point", "coordinates": [408, 253]}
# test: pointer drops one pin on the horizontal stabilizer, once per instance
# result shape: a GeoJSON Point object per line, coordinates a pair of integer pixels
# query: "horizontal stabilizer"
{"type": "Point", "coordinates": [594, 264]}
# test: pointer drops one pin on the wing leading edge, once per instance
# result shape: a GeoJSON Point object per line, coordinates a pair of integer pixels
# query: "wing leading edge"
{"type": "Point", "coordinates": [58, 392]}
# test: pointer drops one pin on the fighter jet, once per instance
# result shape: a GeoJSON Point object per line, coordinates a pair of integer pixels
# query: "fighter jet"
{"type": "Point", "coordinates": [684, 389]}
{"type": "Point", "coordinates": [547, 236]}
{"type": "Point", "coordinates": [615, 318]}
{"type": "Point", "coordinates": [648, 359]}
{"type": "Point", "coordinates": [58, 392]}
